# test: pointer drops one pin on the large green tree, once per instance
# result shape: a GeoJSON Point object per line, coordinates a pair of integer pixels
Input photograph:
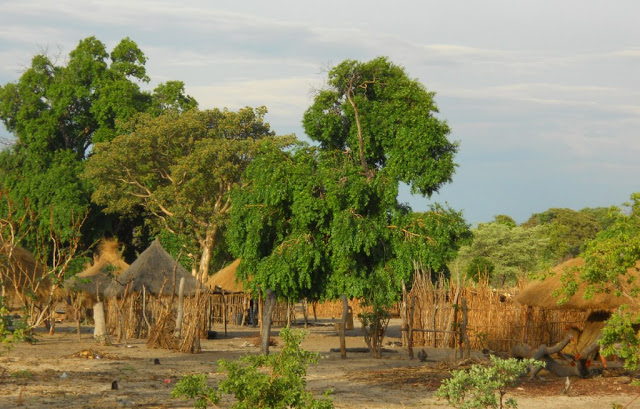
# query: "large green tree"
{"type": "Point", "coordinates": [510, 251]}
{"type": "Point", "coordinates": [58, 112]}
{"type": "Point", "coordinates": [323, 221]}
{"type": "Point", "coordinates": [179, 167]}
{"type": "Point", "coordinates": [568, 231]}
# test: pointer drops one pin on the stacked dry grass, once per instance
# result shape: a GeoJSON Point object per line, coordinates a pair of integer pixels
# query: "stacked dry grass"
{"type": "Point", "coordinates": [547, 293]}
{"type": "Point", "coordinates": [94, 280]}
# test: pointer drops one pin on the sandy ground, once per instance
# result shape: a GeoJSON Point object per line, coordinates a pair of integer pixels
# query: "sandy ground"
{"type": "Point", "coordinates": [50, 374]}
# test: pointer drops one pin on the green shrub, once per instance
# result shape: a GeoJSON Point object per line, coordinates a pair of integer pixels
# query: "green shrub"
{"type": "Point", "coordinates": [477, 387]}
{"type": "Point", "coordinates": [195, 387]}
{"type": "Point", "coordinates": [275, 381]}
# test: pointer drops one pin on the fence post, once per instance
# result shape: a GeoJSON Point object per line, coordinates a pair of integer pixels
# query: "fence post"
{"type": "Point", "coordinates": [410, 335]}
{"type": "Point", "coordinates": [463, 330]}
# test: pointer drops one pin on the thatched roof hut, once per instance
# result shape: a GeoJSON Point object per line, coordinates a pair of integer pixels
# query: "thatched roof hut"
{"type": "Point", "coordinates": [225, 279]}
{"type": "Point", "coordinates": [540, 293]}
{"type": "Point", "coordinates": [20, 270]}
{"type": "Point", "coordinates": [97, 277]}
{"type": "Point", "coordinates": [153, 271]}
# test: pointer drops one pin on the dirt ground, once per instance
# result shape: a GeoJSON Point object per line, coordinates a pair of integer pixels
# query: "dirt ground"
{"type": "Point", "coordinates": [53, 373]}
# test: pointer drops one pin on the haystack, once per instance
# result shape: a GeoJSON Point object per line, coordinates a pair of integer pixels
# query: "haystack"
{"type": "Point", "coordinates": [542, 293]}
{"type": "Point", "coordinates": [153, 271]}
{"type": "Point", "coordinates": [93, 281]}
{"type": "Point", "coordinates": [225, 279]}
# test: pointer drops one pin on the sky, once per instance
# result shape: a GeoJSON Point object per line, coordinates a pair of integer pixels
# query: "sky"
{"type": "Point", "coordinates": [543, 96]}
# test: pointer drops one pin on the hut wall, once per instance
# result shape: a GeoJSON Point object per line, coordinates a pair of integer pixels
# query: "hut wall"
{"type": "Point", "coordinates": [495, 321]}
{"type": "Point", "coordinates": [126, 318]}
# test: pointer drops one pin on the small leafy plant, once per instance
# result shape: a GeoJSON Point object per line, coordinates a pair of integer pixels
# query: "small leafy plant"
{"type": "Point", "coordinates": [260, 381]}
{"type": "Point", "coordinates": [195, 387]}
{"type": "Point", "coordinates": [485, 386]}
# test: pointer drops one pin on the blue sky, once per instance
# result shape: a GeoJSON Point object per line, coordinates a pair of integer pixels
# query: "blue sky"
{"type": "Point", "coordinates": [543, 96]}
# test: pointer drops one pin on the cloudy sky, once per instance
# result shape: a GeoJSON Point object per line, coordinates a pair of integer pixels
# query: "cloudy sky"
{"type": "Point", "coordinates": [543, 96]}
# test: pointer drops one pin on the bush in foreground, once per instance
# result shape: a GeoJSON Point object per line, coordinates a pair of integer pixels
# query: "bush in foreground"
{"type": "Point", "coordinates": [262, 381]}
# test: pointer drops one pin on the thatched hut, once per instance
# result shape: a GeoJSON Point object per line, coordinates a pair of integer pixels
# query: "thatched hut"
{"type": "Point", "coordinates": [90, 285]}
{"type": "Point", "coordinates": [21, 273]}
{"type": "Point", "coordinates": [228, 300]}
{"type": "Point", "coordinates": [155, 272]}
{"type": "Point", "coordinates": [225, 279]}
{"type": "Point", "coordinates": [547, 293]}
{"type": "Point", "coordinates": [140, 297]}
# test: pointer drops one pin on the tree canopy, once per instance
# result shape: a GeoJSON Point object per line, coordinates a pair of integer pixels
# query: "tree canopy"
{"type": "Point", "coordinates": [58, 112]}
{"type": "Point", "coordinates": [506, 252]}
{"type": "Point", "coordinates": [568, 230]}
{"type": "Point", "coordinates": [322, 221]}
{"type": "Point", "coordinates": [179, 167]}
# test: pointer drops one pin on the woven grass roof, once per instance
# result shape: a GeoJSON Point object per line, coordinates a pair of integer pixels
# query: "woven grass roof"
{"type": "Point", "coordinates": [22, 269]}
{"type": "Point", "coordinates": [225, 279]}
{"type": "Point", "coordinates": [541, 293]}
{"type": "Point", "coordinates": [150, 271]}
{"type": "Point", "coordinates": [98, 276]}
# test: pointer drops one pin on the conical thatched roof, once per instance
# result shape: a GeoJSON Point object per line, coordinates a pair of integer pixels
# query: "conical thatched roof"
{"type": "Point", "coordinates": [19, 268]}
{"type": "Point", "coordinates": [540, 293]}
{"type": "Point", "coordinates": [225, 279]}
{"type": "Point", "coordinates": [98, 276]}
{"type": "Point", "coordinates": [151, 270]}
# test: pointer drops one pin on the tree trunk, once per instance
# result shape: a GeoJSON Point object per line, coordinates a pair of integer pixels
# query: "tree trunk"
{"type": "Point", "coordinates": [180, 315]}
{"type": "Point", "coordinates": [305, 312]}
{"type": "Point", "coordinates": [343, 325]}
{"type": "Point", "coordinates": [543, 353]}
{"type": "Point", "coordinates": [269, 303]}
{"type": "Point", "coordinates": [100, 329]}
{"type": "Point", "coordinates": [206, 246]}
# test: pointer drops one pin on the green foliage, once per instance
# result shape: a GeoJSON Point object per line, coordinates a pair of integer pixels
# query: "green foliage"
{"type": "Point", "coordinates": [318, 222]}
{"type": "Point", "coordinates": [195, 387]}
{"type": "Point", "coordinates": [504, 219]}
{"type": "Point", "coordinates": [480, 267]}
{"type": "Point", "coordinates": [57, 113]}
{"type": "Point", "coordinates": [620, 338]}
{"type": "Point", "coordinates": [513, 251]}
{"type": "Point", "coordinates": [263, 381]}
{"type": "Point", "coordinates": [568, 231]}
{"type": "Point", "coordinates": [485, 386]}
{"type": "Point", "coordinates": [179, 167]}
{"type": "Point", "coordinates": [12, 331]}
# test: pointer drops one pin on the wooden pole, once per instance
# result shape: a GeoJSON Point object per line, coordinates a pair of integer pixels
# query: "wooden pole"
{"type": "Point", "coordinates": [463, 329]}
{"type": "Point", "coordinates": [180, 315]}
{"type": "Point", "coordinates": [410, 336]}
{"type": "Point", "coordinates": [403, 314]}
{"type": "Point", "coordinates": [343, 324]}
{"type": "Point", "coordinates": [224, 312]}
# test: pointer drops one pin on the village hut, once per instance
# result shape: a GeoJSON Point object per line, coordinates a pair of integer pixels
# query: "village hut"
{"type": "Point", "coordinates": [90, 285]}
{"type": "Point", "coordinates": [547, 293]}
{"type": "Point", "coordinates": [145, 294]}
{"type": "Point", "coordinates": [22, 274]}
{"type": "Point", "coordinates": [225, 279]}
{"type": "Point", "coordinates": [155, 272]}
{"type": "Point", "coordinates": [228, 300]}
{"type": "Point", "coordinates": [597, 308]}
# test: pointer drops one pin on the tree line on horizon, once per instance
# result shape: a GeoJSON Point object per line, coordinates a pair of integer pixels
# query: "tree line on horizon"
{"type": "Point", "coordinates": [96, 155]}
